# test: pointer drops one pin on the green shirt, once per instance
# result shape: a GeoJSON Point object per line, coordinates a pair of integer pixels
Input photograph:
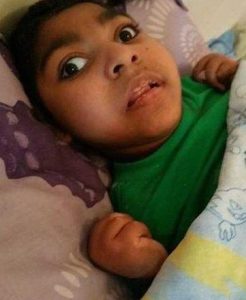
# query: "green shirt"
{"type": "Point", "coordinates": [168, 189]}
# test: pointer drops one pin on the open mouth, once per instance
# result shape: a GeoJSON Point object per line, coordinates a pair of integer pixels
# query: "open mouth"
{"type": "Point", "coordinates": [139, 92]}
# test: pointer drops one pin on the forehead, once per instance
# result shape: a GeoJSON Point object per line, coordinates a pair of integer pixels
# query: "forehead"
{"type": "Point", "coordinates": [83, 16]}
{"type": "Point", "coordinates": [70, 26]}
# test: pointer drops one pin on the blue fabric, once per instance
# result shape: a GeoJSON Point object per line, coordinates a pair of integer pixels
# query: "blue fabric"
{"type": "Point", "coordinates": [224, 44]}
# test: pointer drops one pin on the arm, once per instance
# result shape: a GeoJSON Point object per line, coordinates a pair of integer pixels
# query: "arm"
{"type": "Point", "coordinates": [123, 246]}
{"type": "Point", "coordinates": [217, 70]}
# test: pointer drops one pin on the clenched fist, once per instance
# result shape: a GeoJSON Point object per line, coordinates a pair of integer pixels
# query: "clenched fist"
{"type": "Point", "coordinates": [216, 69]}
{"type": "Point", "coordinates": [123, 246]}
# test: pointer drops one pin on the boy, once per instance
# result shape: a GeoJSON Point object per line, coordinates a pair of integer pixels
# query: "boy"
{"type": "Point", "coordinates": [116, 89]}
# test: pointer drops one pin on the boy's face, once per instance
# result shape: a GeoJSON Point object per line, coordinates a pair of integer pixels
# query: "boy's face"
{"type": "Point", "coordinates": [107, 83]}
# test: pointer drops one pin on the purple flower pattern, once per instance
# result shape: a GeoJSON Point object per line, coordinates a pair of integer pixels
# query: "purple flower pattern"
{"type": "Point", "coordinates": [29, 148]}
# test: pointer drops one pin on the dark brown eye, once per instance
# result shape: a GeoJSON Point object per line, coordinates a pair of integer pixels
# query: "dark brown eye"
{"type": "Point", "coordinates": [128, 33]}
{"type": "Point", "coordinates": [73, 66]}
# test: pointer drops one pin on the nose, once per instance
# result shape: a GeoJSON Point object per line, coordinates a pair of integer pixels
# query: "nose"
{"type": "Point", "coordinates": [120, 59]}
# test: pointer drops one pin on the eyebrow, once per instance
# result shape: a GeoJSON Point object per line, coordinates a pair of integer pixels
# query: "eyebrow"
{"type": "Point", "coordinates": [56, 44]}
{"type": "Point", "coordinates": [110, 14]}
{"type": "Point", "coordinates": [105, 17]}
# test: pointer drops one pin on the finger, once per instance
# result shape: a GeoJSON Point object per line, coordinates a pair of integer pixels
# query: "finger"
{"type": "Point", "coordinates": [226, 72]}
{"type": "Point", "coordinates": [134, 230]}
{"type": "Point", "coordinates": [211, 74]}
{"type": "Point", "coordinates": [199, 68]}
{"type": "Point", "coordinates": [108, 227]}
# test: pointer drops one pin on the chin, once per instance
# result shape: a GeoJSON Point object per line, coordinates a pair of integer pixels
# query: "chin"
{"type": "Point", "coordinates": [145, 141]}
{"type": "Point", "coordinates": [160, 131]}
{"type": "Point", "coordinates": [135, 152]}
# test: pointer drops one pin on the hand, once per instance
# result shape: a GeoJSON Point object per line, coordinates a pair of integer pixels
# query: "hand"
{"type": "Point", "coordinates": [216, 70]}
{"type": "Point", "coordinates": [123, 246]}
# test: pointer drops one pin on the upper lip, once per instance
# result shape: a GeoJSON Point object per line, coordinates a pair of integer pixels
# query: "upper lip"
{"type": "Point", "coordinates": [140, 85]}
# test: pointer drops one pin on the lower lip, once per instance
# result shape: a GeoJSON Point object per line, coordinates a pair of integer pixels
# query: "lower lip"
{"type": "Point", "coordinates": [147, 98]}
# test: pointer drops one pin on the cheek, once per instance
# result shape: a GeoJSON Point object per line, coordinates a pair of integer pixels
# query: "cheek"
{"type": "Point", "coordinates": [70, 99]}
{"type": "Point", "coordinates": [76, 111]}
{"type": "Point", "coordinates": [159, 56]}
{"type": "Point", "coordinates": [85, 115]}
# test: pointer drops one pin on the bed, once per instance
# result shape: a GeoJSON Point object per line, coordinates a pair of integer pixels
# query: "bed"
{"type": "Point", "coordinates": [51, 194]}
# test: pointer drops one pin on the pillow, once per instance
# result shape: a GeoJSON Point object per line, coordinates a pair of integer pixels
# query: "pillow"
{"type": "Point", "coordinates": [49, 197]}
{"type": "Point", "coordinates": [168, 21]}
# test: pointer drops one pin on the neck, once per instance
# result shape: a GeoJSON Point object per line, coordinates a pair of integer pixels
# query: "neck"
{"type": "Point", "coordinates": [133, 153]}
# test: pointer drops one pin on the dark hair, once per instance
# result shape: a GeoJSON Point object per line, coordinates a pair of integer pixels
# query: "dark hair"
{"type": "Point", "coordinates": [24, 37]}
